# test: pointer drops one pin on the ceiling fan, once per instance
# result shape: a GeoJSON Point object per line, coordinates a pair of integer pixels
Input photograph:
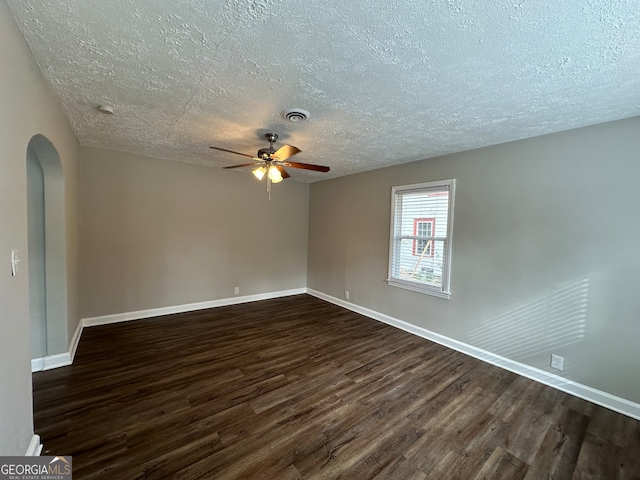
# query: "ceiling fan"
{"type": "Point", "coordinates": [271, 162]}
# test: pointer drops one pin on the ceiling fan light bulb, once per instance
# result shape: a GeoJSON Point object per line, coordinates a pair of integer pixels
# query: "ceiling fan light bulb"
{"type": "Point", "coordinates": [274, 175]}
{"type": "Point", "coordinates": [259, 172]}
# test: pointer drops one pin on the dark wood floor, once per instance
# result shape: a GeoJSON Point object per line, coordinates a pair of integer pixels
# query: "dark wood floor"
{"type": "Point", "coordinates": [297, 388]}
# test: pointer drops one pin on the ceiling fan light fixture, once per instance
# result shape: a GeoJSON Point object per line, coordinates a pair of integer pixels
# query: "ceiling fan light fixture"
{"type": "Point", "coordinates": [274, 175]}
{"type": "Point", "coordinates": [259, 172]}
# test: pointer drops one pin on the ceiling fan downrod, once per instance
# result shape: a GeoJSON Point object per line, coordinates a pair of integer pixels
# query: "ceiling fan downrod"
{"type": "Point", "coordinates": [271, 138]}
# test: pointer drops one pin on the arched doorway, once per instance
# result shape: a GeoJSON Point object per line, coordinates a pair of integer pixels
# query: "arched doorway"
{"type": "Point", "coordinates": [47, 254]}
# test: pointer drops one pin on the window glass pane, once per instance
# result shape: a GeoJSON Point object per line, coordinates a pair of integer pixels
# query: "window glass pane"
{"type": "Point", "coordinates": [426, 270]}
{"type": "Point", "coordinates": [411, 206]}
{"type": "Point", "coordinates": [423, 247]}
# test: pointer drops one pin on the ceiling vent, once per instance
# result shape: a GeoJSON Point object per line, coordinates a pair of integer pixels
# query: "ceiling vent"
{"type": "Point", "coordinates": [295, 114]}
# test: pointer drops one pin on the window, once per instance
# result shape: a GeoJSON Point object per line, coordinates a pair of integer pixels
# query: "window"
{"type": "Point", "coordinates": [420, 246]}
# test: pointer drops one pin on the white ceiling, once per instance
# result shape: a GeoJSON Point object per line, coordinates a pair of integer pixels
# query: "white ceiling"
{"type": "Point", "coordinates": [386, 81]}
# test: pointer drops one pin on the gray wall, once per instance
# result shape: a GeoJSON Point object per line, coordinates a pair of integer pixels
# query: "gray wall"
{"type": "Point", "coordinates": [545, 250]}
{"type": "Point", "coordinates": [27, 108]}
{"type": "Point", "coordinates": [158, 233]}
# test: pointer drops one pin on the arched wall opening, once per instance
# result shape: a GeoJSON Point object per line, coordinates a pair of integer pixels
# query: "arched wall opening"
{"type": "Point", "coordinates": [47, 253]}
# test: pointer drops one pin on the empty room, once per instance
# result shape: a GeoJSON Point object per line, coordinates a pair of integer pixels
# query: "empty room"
{"type": "Point", "coordinates": [256, 239]}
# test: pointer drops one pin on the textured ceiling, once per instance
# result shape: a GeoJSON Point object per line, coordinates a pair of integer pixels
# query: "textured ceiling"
{"type": "Point", "coordinates": [386, 81]}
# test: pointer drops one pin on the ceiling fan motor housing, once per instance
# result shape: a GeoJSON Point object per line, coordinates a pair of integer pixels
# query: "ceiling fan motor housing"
{"type": "Point", "coordinates": [266, 152]}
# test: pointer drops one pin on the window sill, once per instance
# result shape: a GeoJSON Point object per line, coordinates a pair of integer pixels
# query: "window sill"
{"type": "Point", "coordinates": [419, 288]}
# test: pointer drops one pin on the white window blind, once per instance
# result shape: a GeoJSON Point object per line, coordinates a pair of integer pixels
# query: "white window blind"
{"type": "Point", "coordinates": [420, 246]}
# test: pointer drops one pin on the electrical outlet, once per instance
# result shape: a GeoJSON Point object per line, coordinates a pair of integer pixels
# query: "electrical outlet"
{"type": "Point", "coordinates": [557, 362]}
{"type": "Point", "coordinates": [236, 290]}
{"type": "Point", "coordinates": [346, 294]}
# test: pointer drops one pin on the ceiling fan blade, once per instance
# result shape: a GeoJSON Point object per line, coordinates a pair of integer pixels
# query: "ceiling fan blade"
{"type": "Point", "coordinates": [243, 165]}
{"type": "Point", "coordinates": [283, 172]}
{"type": "Point", "coordinates": [307, 166]}
{"type": "Point", "coordinates": [285, 152]}
{"type": "Point", "coordinates": [231, 151]}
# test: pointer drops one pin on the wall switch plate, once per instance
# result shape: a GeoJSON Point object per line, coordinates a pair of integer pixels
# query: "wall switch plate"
{"type": "Point", "coordinates": [557, 362]}
{"type": "Point", "coordinates": [14, 262]}
{"type": "Point", "coordinates": [236, 290]}
{"type": "Point", "coordinates": [346, 294]}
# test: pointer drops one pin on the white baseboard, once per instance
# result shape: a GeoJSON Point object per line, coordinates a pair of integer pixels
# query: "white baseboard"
{"type": "Point", "coordinates": [607, 400]}
{"type": "Point", "coordinates": [60, 360]}
{"type": "Point", "coordinates": [189, 307]}
{"type": "Point", "coordinates": [37, 364]}
{"type": "Point", "coordinates": [35, 447]}
{"type": "Point", "coordinates": [612, 402]}
{"type": "Point", "coordinates": [64, 359]}
{"type": "Point", "coordinates": [50, 361]}
{"type": "Point", "coordinates": [75, 340]}
{"type": "Point", "coordinates": [55, 361]}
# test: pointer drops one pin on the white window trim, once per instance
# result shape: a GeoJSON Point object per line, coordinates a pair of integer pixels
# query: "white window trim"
{"type": "Point", "coordinates": [445, 290]}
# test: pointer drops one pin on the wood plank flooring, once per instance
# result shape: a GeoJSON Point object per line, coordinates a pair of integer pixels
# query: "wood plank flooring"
{"type": "Point", "coordinates": [297, 388]}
